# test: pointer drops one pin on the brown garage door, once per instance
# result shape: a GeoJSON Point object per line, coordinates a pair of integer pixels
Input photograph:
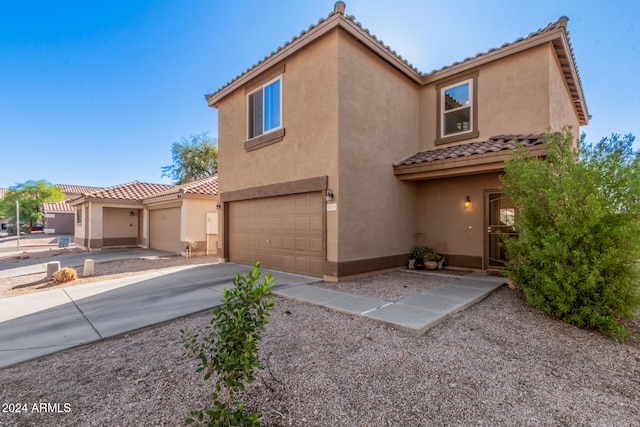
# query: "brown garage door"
{"type": "Point", "coordinates": [164, 229]}
{"type": "Point", "coordinates": [284, 233]}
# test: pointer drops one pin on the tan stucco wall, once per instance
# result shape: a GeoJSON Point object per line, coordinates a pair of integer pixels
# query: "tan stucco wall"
{"type": "Point", "coordinates": [117, 222]}
{"type": "Point", "coordinates": [561, 111]}
{"type": "Point", "coordinates": [378, 126]}
{"type": "Point", "coordinates": [195, 210]}
{"type": "Point", "coordinates": [310, 118]}
{"type": "Point", "coordinates": [444, 223]}
{"type": "Point", "coordinates": [518, 94]}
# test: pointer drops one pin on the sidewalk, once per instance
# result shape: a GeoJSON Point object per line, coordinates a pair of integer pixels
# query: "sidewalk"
{"type": "Point", "coordinates": [34, 266]}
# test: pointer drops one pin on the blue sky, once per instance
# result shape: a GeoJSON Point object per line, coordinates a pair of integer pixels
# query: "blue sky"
{"type": "Point", "coordinates": [95, 92]}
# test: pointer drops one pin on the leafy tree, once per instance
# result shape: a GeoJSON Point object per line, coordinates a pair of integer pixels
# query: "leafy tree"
{"type": "Point", "coordinates": [578, 245]}
{"type": "Point", "coordinates": [229, 349]}
{"type": "Point", "coordinates": [30, 196]}
{"type": "Point", "coordinates": [193, 158]}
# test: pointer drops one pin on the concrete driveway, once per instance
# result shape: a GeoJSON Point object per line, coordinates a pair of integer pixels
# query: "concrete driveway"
{"type": "Point", "coordinates": [43, 323]}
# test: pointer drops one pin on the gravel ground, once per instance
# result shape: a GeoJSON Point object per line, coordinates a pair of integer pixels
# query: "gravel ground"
{"type": "Point", "coordinates": [498, 363]}
{"type": "Point", "coordinates": [392, 287]}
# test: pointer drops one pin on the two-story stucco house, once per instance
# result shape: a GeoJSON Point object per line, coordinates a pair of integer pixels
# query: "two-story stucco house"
{"type": "Point", "coordinates": [337, 157]}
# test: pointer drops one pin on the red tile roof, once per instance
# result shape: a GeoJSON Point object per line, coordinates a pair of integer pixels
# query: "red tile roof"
{"type": "Point", "coordinates": [206, 186]}
{"type": "Point", "coordinates": [495, 143]}
{"type": "Point", "coordinates": [61, 207]}
{"type": "Point", "coordinates": [136, 191]}
{"type": "Point", "coordinates": [77, 189]}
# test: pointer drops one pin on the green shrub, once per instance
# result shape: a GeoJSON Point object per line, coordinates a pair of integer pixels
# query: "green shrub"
{"type": "Point", "coordinates": [420, 252]}
{"type": "Point", "coordinates": [578, 245]}
{"type": "Point", "coordinates": [228, 350]}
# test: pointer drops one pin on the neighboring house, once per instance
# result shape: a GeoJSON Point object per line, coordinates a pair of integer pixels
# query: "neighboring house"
{"type": "Point", "coordinates": [184, 218]}
{"type": "Point", "coordinates": [160, 216]}
{"type": "Point", "coordinates": [59, 217]}
{"type": "Point", "coordinates": [337, 157]}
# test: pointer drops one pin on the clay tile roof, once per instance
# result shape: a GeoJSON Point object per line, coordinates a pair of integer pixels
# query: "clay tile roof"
{"type": "Point", "coordinates": [495, 143]}
{"type": "Point", "coordinates": [136, 191]}
{"type": "Point", "coordinates": [560, 23]}
{"type": "Point", "coordinates": [62, 206]}
{"type": "Point", "coordinates": [77, 189]}
{"type": "Point", "coordinates": [206, 186]}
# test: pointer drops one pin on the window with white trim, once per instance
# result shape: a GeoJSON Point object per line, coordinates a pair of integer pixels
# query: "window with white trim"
{"type": "Point", "coordinates": [456, 105]}
{"type": "Point", "coordinates": [265, 108]}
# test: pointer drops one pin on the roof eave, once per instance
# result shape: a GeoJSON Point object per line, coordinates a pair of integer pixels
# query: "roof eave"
{"type": "Point", "coordinates": [323, 28]}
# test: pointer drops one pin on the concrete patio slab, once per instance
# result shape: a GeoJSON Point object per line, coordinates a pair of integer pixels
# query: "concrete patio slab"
{"type": "Point", "coordinates": [459, 292]}
{"type": "Point", "coordinates": [356, 304]}
{"type": "Point", "coordinates": [407, 318]}
{"type": "Point", "coordinates": [433, 302]}
{"type": "Point", "coordinates": [311, 294]}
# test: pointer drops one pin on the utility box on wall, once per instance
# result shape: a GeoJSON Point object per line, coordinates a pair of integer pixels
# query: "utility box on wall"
{"type": "Point", "coordinates": [212, 222]}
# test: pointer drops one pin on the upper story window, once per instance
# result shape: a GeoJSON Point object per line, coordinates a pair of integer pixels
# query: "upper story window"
{"type": "Point", "coordinates": [456, 107]}
{"type": "Point", "coordinates": [457, 110]}
{"type": "Point", "coordinates": [265, 108]}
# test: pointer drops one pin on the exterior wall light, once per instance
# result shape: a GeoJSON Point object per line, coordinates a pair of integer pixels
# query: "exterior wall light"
{"type": "Point", "coordinates": [218, 206]}
{"type": "Point", "coordinates": [329, 196]}
{"type": "Point", "coordinates": [467, 203]}
{"type": "Point", "coordinates": [132, 214]}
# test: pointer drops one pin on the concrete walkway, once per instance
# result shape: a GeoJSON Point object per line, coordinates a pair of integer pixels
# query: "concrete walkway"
{"type": "Point", "coordinates": [415, 314]}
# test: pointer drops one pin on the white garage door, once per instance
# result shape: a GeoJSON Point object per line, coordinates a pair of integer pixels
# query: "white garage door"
{"type": "Point", "coordinates": [284, 233]}
{"type": "Point", "coordinates": [164, 229]}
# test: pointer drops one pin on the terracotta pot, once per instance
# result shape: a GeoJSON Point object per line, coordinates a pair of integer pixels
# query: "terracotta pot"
{"type": "Point", "coordinates": [431, 265]}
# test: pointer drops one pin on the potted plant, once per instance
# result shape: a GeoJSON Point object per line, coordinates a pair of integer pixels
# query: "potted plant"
{"type": "Point", "coordinates": [419, 254]}
{"type": "Point", "coordinates": [431, 260]}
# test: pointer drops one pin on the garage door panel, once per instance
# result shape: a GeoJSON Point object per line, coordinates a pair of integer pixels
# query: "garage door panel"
{"type": "Point", "coordinates": [315, 245]}
{"type": "Point", "coordinates": [281, 232]}
{"type": "Point", "coordinates": [302, 244]}
{"type": "Point", "coordinates": [315, 224]}
{"type": "Point", "coordinates": [287, 243]}
{"type": "Point", "coordinates": [275, 225]}
{"type": "Point", "coordinates": [301, 224]}
{"type": "Point", "coordinates": [287, 224]}
{"type": "Point", "coordinates": [275, 242]}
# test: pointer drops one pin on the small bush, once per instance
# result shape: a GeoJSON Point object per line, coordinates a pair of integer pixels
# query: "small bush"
{"type": "Point", "coordinates": [64, 275]}
{"type": "Point", "coordinates": [228, 350]}
{"type": "Point", "coordinates": [578, 245]}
